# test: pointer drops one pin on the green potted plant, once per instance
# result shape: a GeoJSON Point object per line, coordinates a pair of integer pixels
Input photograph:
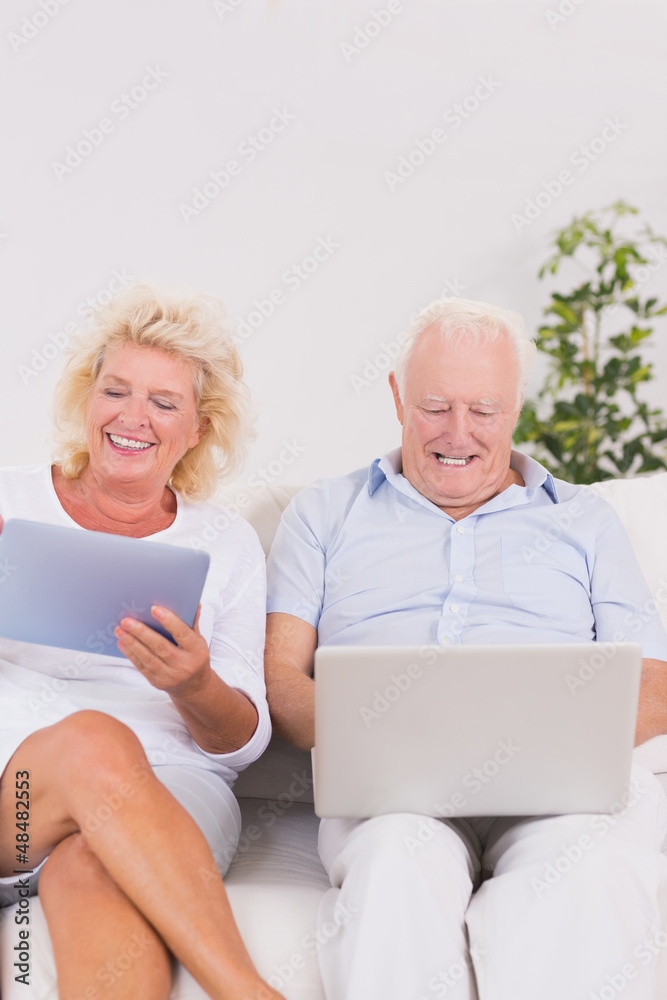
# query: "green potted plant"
{"type": "Point", "coordinates": [589, 421]}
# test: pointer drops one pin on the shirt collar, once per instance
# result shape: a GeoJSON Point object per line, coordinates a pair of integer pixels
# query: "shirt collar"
{"type": "Point", "coordinates": [533, 474]}
{"type": "Point", "coordinates": [389, 465]}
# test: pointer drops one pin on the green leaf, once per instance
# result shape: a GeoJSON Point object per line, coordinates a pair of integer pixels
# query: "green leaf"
{"type": "Point", "coordinates": [642, 374]}
{"type": "Point", "coordinates": [590, 405]}
{"type": "Point", "coordinates": [568, 314]}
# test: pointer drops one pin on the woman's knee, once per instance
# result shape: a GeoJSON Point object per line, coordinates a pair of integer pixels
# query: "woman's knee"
{"type": "Point", "coordinates": [91, 741]}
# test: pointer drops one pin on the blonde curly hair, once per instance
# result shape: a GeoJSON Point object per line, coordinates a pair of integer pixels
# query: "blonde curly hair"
{"type": "Point", "coordinates": [194, 328]}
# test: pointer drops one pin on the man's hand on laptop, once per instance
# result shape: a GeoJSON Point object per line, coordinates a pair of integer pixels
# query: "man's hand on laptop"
{"type": "Point", "coordinates": [652, 714]}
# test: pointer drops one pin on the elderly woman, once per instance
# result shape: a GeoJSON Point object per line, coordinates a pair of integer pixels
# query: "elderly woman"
{"type": "Point", "coordinates": [129, 762]}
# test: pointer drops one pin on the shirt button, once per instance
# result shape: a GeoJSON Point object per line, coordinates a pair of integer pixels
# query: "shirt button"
{"type": "Point", "coordinates": [454, 609]}
{"type": "Point", "coordinates": [445, 640]}
{"type": "Point", "coordinates": [460, 529]}
{"type": "Point", "coordinates": [458, 578]}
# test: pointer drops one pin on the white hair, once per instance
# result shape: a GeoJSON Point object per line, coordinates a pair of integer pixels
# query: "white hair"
{"type": "Point", "coordinates": [464, 320]}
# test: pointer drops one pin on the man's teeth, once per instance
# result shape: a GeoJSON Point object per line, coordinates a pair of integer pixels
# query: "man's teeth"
{"type": "Point", "coordinates": [121, 442]}
{"type": "Point", "coordinates": [446, 460]}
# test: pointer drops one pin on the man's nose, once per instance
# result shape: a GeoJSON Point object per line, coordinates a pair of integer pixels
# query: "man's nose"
{"type": "Point", "coordinates": [457, 430]}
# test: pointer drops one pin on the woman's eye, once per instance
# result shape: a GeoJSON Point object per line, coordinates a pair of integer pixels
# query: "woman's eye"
{"type": "Point", "coordinates": [113, 393]}
{"type": "Point", "coordinates": [163, 406]}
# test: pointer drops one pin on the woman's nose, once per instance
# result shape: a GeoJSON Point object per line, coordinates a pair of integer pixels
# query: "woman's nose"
{"type": "Point", "coordinates": [135, 411]}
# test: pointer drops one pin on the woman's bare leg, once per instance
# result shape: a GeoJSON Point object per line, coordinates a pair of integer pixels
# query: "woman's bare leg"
{"type": "Point", "coordinates": [103, 946]}
{"type": "Point", "coordinates": [89, 774]}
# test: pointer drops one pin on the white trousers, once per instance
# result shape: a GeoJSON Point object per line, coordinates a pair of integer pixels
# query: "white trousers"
{"type": "Point", "coordinates": [547, 908]}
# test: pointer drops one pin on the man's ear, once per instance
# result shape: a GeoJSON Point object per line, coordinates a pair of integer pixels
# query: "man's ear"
{"type": "Point", "coordinates": [397, 397]}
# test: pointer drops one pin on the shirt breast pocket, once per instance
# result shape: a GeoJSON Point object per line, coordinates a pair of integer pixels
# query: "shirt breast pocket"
{"type": "Point", "coordinates": [552, 584]}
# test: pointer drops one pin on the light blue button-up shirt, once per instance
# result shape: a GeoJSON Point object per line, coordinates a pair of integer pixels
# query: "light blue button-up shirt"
{"type": "Point", "coordinates": [367, 559]}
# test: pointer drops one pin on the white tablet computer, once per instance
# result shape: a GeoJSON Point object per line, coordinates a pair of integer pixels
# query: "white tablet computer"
{"type": "Point", "coordinates": [70, 587]}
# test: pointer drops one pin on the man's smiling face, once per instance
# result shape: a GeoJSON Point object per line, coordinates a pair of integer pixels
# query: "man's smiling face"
{"type": "Point", "coordinates": [461, 404]}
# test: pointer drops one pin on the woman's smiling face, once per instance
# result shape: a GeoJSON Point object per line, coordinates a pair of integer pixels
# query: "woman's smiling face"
{"type": "Point", "coordinates": [142, 416]}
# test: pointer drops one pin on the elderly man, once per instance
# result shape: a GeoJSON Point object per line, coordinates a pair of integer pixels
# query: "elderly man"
{"type": "Point", "coordinates": [431, 545]}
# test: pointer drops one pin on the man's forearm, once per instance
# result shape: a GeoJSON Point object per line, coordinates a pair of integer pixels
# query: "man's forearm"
{"type": "Point", "coordinates": [291, 697]}
{"type": "Point", "coordinates": [288, 668]}
{"type": "Point", "coordinates": [652, 713]}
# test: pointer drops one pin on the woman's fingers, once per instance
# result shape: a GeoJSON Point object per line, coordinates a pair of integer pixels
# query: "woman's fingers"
{"type": "Point", "coordinates": [172, 668]}
{"type": "Point", "coordinates": [182, 633]}
{"type": "Point", "coordinates": [154, 641]}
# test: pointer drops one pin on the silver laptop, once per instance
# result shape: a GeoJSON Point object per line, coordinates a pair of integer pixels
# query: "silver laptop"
{"type": "Point", "coordinates": [69, 588]}
{"type": "Point", "coordinates": [510, 730]}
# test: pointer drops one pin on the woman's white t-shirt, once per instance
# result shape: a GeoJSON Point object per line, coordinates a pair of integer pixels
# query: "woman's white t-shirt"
{"type": "Point", "coordinates": [40, 685]}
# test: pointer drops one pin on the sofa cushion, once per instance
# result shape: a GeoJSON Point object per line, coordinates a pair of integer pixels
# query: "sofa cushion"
{"type": "Point", "coordinates": [641, 505]}
{"type": "Point", "coordinates": [261, 505]}
{"type": "Point", "coordinates": [283, 774]}
{"type": "Point", "coordinates": [277, 852]}
{"type": "Point", "coordinates": [275, 885]}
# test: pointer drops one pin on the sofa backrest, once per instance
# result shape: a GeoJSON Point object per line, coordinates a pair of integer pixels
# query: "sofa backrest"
{"type": "Point", "coordinates": [641, 504]}
{"type": "Point", "coordinates": [261, 507]}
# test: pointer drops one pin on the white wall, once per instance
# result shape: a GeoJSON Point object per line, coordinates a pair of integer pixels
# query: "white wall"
{"type": "Point", "coordinates": [219, 71]}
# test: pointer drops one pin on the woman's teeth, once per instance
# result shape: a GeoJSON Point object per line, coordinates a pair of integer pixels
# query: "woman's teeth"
{"type": "Point", "coordinates": [122, 442]}
{"type": "Point", "coordinates": [446, 460]}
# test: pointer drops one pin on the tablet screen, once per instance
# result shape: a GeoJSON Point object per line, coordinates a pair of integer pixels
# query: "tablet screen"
{"type": "Point", "coordinates": [70, 587]}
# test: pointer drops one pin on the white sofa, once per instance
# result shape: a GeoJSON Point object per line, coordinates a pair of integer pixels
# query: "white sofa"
{"type": "Point", "coordinates": [276, 880]}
